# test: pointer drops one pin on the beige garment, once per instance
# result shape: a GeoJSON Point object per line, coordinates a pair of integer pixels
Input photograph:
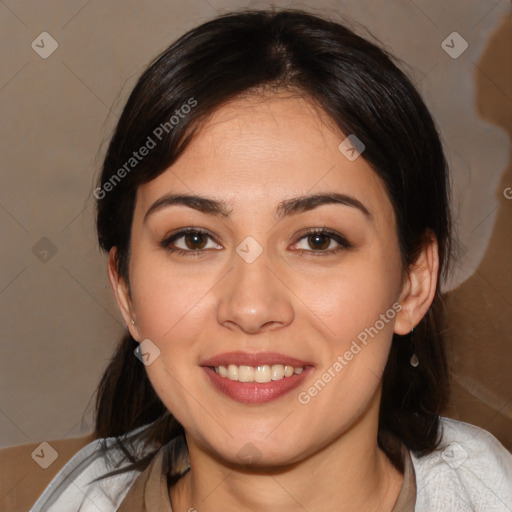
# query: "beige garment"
{"type": "Point", "coordinates": [150, 492]}
{"type": "Point", "coordinates": [22, 480]}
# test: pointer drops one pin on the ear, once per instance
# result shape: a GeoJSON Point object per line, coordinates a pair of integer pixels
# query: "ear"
{"type": "Point", "coordinates": [122, 294]}
{"type": "Point", "coordinates": [419, 288]}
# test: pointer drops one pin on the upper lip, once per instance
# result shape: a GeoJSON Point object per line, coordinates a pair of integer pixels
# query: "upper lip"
{"type": "Point", "coordinates": [254, 359]}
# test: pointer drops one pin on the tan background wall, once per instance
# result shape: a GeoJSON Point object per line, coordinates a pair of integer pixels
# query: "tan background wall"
{"type": "Point", "coordinates": [59, 323]}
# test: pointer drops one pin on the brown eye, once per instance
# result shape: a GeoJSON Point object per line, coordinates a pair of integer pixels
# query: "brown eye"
{"type": "Point", "coordinates": [191, 241]}
{"type": "Point", "coordinates": [319, 241]}
{"type": "Point", "coordinates": [195, 241]}
{"type": "Point", "coordinates": [322, 242]}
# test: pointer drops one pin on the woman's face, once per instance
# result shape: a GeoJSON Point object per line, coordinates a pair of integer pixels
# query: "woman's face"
{"type": "Point", "coordinates": [295, 263]}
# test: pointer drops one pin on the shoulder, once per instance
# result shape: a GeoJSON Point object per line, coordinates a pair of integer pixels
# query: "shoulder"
{"type": "Point", "coordinates": [82, 485]}
{"type": "Point", "coordinates": [470, 471]}
{"type": "Point", "coordinates": [26, 470]}
{"type": "Point", "coordinates": [75, 482]}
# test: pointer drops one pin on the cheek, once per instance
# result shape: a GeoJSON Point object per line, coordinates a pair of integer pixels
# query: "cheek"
{"type": "Point", "coordinates": [355, 310]}
{"type": "Point", "coordinates": [168, 300]}
{"type": "Point", "coordinates": [172, 308]}
{"type": "Point", "coordinates": [352, 299]}
{"type": "Point", "coordinates": [355, 316]}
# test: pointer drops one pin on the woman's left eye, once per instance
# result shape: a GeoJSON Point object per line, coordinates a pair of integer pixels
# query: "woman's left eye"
{"type": "Point", "coordinates": [322, 241]}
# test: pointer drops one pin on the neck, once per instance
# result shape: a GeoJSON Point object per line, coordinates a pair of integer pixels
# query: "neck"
{"type": "Point", "coordinates": [349, 474]}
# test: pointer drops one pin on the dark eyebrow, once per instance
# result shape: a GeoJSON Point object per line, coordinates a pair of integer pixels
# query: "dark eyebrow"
{"type": "Point", "coordinates": [305, 203]}
{"type": "Point", "coordinates": [287, 207]}
{"type": "Point", "coordinates": [202, 204]}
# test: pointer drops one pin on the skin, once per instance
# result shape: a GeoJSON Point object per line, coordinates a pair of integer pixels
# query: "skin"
{"type": "Point", "coordinates": [252, 154]}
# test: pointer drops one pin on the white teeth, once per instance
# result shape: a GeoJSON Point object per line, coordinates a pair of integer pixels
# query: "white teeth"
{"type": "Point", "coordinates": [263, 373]}
{"type": "Point", "coordinates": [277, 371]}
{"type": "Point", "coordinates": [233, 372]}
{"type": "Point", "coordinates": [245, 373]}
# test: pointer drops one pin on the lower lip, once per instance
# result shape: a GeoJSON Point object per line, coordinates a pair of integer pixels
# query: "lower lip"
{"type": "Point", "coordinates": [254, 392]}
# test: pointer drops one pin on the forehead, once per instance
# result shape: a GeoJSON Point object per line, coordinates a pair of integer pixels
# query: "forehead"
{"type": "Point", "coordinates": [263, 148]}
{"type": "Point", "coordinates": [279, 129]}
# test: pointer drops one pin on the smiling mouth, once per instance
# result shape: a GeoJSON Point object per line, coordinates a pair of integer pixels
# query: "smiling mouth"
{"type": "Point", "coordinates": [260, 374]}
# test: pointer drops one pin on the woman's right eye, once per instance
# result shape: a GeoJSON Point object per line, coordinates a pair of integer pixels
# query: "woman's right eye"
{"type": "Point", "coordinates": [190, 241]}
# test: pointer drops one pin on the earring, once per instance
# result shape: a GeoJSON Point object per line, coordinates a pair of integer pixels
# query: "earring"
{"type": "Point", "coordinates": [414, 361]}
{"type": "Point", "coordinates": [133, 321]}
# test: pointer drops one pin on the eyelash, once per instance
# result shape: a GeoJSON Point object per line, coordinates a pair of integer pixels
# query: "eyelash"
{"type": "Point", "coordinates": [342, 242]}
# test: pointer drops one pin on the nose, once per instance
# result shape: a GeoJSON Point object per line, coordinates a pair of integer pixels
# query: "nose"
{"type": "Point", "coordinates": [253, 299]}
